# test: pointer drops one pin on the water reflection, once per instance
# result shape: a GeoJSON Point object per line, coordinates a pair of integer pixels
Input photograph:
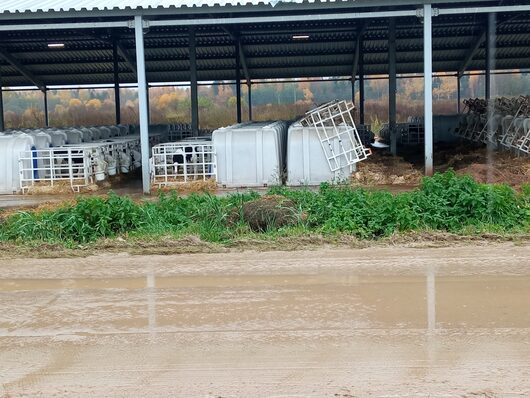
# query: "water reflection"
{"type": "Point", "coordinates": [431, 299]}
{"type": "Point", "coordinates": [151, 303]}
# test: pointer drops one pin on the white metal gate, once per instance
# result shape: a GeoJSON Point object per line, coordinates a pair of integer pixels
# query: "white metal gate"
{"type": "Point", "coordinates": [55, 166]}
{"type": "Point", "coordinates": [341, 144]}
{"type": "Point", "coordinates": [182, 162]}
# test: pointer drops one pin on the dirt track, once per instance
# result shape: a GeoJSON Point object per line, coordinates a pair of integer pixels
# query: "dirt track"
{"type": "Point", "coordinates": [389, 322]}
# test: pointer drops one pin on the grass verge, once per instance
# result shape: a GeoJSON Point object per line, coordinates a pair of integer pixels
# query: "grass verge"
{"type": "Point", "coordinates": [445, 208]}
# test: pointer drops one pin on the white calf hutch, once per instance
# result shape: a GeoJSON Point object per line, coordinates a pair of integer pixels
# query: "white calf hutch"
{"type": "Point", "coordinates": [250, 154]}
{"type": "Point", "coordinates": [306, 162]}
{"type": "Point", "coordinates": [324, 146]}
{"type": "Point", "coordinates": [11, 146]}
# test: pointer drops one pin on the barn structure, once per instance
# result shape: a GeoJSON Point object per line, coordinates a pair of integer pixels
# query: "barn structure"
{"type": "Point", "coordinates": [65, 42]}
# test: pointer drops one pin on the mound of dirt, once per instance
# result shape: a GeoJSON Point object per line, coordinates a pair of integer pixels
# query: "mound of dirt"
{"type": "Point", "coordinates": [270, 211]}
{"type": "Point", "coordinates": [381, 169]}
{"type": "Point", "coordinates": [501, 167]}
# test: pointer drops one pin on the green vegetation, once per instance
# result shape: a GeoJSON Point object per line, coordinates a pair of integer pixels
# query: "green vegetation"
{"type": "Point", "coordinates": [445, 202]}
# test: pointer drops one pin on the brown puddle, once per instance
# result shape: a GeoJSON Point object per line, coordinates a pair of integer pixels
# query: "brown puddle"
{"type": "Point", "coordinates": [322, 300]}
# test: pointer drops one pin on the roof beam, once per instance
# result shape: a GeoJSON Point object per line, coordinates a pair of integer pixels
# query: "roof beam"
{"type": "Point", "coordinates": [22, 69]}
{"type": "Point", "coordinates": [478, 43]}
{"type": "Point", "coordinates": [243, 59]}
{"type": "Point", "coordinates": [131, 63]}
{"type": "Point", "coordinates": [472, 52]}
{"type": "Point", "coordinates": [239, 47]}
{"type": "Point", "coordinates": [122, 51]}
{"type": "Point", "coordinates": [357, 54]}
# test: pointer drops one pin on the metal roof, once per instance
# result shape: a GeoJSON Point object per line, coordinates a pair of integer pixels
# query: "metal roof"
{"type": "Point", "coordinates": [110, 7]}
{"type": "Point", "coordinates": [20, 6]}
{"type": "Point", "coordinates": [23, 6]}
{"type": "Point", "coordinates": [269, 48]}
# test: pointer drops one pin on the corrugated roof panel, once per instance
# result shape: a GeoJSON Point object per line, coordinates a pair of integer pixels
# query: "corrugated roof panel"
{"type": "Point", "coordinates": [20, 6]}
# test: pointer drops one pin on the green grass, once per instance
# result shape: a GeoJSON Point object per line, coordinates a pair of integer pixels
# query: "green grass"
{"type": "Point", "coordinates": [445, 202]}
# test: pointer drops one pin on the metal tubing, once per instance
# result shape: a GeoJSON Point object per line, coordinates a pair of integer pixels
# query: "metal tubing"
{"type": "Point", "coordinates": [427, 86]}
{"type": "Point", "coordinates": [483, 10]}
{"type": "Point", "coordinates": [392, 86]}
{"type": "Point", "coordinates": [238, 79]}
{"type": "Point", "coordinates": [142, 102]}
{"type": "Point", "coordinates": [283, 18]}
{"type": "Point", "coordinates": [116, 70]}
{"type": "Point", "coordinates": [46, 116]}
{"type": "Point", "coordinates": [193, 82]}
{"type": "Point", "coordinates": [73, 25]}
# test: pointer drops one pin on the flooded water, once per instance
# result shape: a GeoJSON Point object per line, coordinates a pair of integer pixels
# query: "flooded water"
{"type": "Point", "coordinates": [389, 322]}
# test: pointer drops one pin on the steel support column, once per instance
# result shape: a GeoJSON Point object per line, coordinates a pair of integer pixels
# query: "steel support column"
{"type": "Point", "coordinates": [392, 86]}
{"type": "Point", "coordinates": [361, 89]}
{"type": "Point", "coordinates": [249, 86]}
{"type": "Point", "coordinates": [491, 91]}
{"type": "Point", "coordinates": [238, 79]}
{"type": "Point", "coordinates": [193, 82]}
{"type": "Point", "coordinates": [46, 116]}
{"type": "Point", "coordinates": [427, 86]}
{"type": "Point", "coordinates": [490, 54]}
{"type": "Point", "coordinates": [142, 101]}
{"type": "Point", "coordinates": [116, 71]}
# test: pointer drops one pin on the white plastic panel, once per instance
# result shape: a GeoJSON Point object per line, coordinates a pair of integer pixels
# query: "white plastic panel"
{"type": "Point", "coordinates": [10, 148]}
{"type": "Point", "coordinates": [250, 154]}
{"type": "Point", "coordinates": [306, 162]}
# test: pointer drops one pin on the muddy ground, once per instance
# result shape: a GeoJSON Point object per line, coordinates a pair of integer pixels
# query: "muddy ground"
{"type": "Point", "coordinates": [373, 322]}
{"type": "Point", "coordinates": [486, 166]}
{"type": "Point", "coordinates": [407, 169]}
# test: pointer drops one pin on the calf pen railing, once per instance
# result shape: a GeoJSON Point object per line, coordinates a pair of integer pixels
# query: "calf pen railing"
{"type": "Point", "coordinates": [502, 122]}
{"type": "Point", "coordinates": [182, 162]}
{"type": "Point", "coordinates": [78, 166]}
{"type": "Point", "coordinates": [55, 167]}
